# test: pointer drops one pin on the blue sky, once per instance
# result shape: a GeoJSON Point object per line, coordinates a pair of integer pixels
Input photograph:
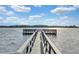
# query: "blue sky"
{"type": "Point", "coordinates": [39, 14]}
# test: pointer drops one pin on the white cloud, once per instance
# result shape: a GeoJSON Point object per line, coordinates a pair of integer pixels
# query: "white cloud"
{"type": "Point", "coordinates": [23, 23]}
{"type": "Point", "coordinates": [76, 6]}
{"type": "Point", "coordinates": [33, 17]}
{"type": "Point", "coordinates": [1, 19]}
{"type": "Point", "coordinates": [49, 22]}
{"type": "Point", "coordinates": [11, 19]}
{"type": "Point", "coordinates": [37, 16]}
{"type": "Point", "coordinates": [2, 9]}
{"type": "Point", "coordinates": [37, 5]}
{"type": "Point", "coordinates": [60, 10]}
{"type": "Point", "coordinates": [65, 18]}
{"type": "Point", "coordinates": [5, 12]}
{"type": "Point", "coordinates": [21, 8]}
{"type": "Point", "coordinates": [9, 13]}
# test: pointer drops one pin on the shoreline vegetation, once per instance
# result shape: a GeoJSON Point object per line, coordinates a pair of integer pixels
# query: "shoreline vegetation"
{"type": "Point", "coordinates": [38, 26]}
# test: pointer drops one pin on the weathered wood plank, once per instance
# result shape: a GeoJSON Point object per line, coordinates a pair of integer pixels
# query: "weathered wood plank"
{"type": "Point", "coordinates": [36, 47]}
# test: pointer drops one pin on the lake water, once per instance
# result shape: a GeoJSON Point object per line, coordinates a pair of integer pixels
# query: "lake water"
{"type": "Point", "coordinates": [11, 39]}
{"type": "Point", "coordinates": [67, 40]}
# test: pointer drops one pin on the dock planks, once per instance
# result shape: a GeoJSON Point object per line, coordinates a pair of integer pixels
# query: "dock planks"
{"type": "Point", "coordinates": [36, 47]}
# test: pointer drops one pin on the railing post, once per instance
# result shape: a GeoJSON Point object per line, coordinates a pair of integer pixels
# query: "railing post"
{"type": "Point", "coordinates": [49, 49]}
{"type": "Point", "coordinates": [27, 49]}
{"type": "Point", "coordinates": [42, 45]}
{"type": "Point", "coordinates": [27, 46]}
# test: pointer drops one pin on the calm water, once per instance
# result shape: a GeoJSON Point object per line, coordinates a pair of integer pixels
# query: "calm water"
{"type": "Point", "coordinates": [67, 40]}
{"type": "Point", "coordinates": [11, 39]}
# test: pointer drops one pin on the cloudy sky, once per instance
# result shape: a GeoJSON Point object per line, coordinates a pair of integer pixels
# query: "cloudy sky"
{"type": "Point", "coordinates": [39, 15]}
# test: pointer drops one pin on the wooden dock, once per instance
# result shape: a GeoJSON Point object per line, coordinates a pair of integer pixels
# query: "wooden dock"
{"type": "Point", "coordinates": [36, 47]}
{"type": "Point", "coordinates": [39, 43]}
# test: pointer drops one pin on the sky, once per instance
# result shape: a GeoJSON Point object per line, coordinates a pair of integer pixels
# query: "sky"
{"type": "Point", "coordinates": [39, 15]}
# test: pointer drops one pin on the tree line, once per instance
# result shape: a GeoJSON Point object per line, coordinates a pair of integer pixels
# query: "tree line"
{"type": "Point", "coordinates": [19, 26]}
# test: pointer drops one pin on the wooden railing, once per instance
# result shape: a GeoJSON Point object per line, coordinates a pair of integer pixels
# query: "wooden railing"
{"type": "Point", "coordinates": [26, 48]}
{"type": "Point", "coordinates": [28, 31]}
{"type": "Point", "coordinates": [47, 47]}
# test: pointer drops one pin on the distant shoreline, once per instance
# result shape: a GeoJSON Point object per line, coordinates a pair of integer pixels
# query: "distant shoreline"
{"type": "Point", "coordinates": [39, 26]}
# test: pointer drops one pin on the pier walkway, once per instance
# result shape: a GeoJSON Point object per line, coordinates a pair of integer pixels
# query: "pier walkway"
{"type": "Point", "coordinates": [36, 47]}
{"type": "Point", "coordinates": [39, 43]}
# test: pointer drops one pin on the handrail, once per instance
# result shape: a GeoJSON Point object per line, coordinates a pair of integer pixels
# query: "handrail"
{"type": "Point", "coordinates": [27, 46]}
{"type": "Point", "coordinates": [48, 45]}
